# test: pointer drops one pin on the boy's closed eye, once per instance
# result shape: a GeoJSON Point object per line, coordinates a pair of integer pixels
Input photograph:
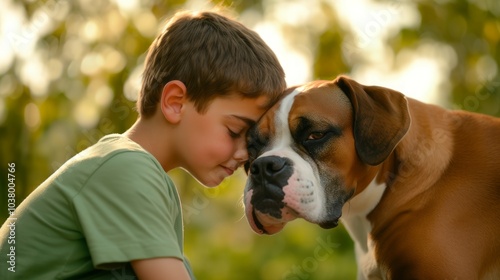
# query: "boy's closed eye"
{"type": "Point", "coordinates": [235, 133]}
{"type": "Point", "coordinates": [238, 125]}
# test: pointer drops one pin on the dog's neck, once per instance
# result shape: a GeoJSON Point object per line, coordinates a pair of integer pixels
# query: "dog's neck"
{"type": "Point", "coordinates": [356, 210]}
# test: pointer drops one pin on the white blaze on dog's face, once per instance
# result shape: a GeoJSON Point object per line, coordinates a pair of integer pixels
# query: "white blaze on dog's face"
{"type": "Point", "coordinates": [303, 159]}
{"type": "Point", "coordinates": [318, 147]}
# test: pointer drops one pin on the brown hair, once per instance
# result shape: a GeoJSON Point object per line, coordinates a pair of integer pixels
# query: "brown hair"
{"type": "Point", "coordinates": [213, 56]}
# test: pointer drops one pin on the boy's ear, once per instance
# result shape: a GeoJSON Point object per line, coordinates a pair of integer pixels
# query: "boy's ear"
{"type": "Point", "coordinates": [173, 97]}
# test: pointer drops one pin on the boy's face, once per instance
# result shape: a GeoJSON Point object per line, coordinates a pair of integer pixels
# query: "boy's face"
{"type": "Point", "coordinates": [213, 144]}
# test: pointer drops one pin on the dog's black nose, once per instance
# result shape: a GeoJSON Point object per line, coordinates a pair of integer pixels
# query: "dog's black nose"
{"type": "Point", "coordinates": [268, 166]}
{"type": "Point", "coordinates": [269, 175]}
{"type": "Point", "coordinates": [272, 169]}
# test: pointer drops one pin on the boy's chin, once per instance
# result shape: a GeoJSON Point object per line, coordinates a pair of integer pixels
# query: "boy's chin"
{"type": "Point", "coordinates": [210, 182]}
{"type": "Point", "coordinates": [211, 185]}
{"type": "Point", "coordinates": [211, 178]}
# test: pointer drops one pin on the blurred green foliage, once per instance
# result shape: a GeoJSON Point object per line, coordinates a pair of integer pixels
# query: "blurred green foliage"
{"type": "Point", "coordinates": [471, 28]}
{"type": "Point", "coordinates": [77, 82]}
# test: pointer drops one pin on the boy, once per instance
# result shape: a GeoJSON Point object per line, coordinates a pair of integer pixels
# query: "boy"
{"type": "Point", "coordinates": [112, 211]}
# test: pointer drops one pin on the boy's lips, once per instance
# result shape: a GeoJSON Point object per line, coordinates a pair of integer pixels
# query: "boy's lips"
{"type": "Point", "coordinates": [228, 170]}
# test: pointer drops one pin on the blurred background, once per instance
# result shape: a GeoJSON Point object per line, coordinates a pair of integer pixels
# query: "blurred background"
{"type": "Point", "coordinates": [70, 73]}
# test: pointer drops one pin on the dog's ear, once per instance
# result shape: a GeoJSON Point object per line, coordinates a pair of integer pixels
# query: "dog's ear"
{"type": "Point", "coordinates": [381, 119]}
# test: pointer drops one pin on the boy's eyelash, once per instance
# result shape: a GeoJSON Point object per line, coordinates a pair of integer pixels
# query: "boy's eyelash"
{"type": "Point", "coordinates": [233, 134]}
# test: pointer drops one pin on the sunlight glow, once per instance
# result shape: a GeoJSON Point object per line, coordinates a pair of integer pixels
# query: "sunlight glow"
{"type": "Point", "coordinates": [305, 12]}
{"type": "Point", "coordinates": [128, 6]}
{"type": "Point", "coordinates": [86, 113]}
{"type": "Point", "coordinates": [132, 85]}
{"type": "Point", "coordinates": [91, 31]}
{"type": "Point", "coordinates": [486, 68]}
{"type": "Point", "coordinates": [34, 74]}
{"type": "Point", "coordinates": [114, 60]}
{"type": "Point", "coordinates": [296, 66]}
{"type": "Point", "coordinates": [146, 23]}
{"type": "Point", "coordinates": [11, 16]}
{"type": "Point", "coordinates": [422, 72]}
{"type": "Point", "coordinates": [32, 115]}
{"type": "Point", "coordinates": [420, 75]}
{"type": "Point", "coordinates": [101, 93]}
{"type": "Point", "coordinates": [92, 64]}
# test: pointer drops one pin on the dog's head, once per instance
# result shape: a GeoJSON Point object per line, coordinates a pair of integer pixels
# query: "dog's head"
{"type": "Point", "coordinates": [317, 148]}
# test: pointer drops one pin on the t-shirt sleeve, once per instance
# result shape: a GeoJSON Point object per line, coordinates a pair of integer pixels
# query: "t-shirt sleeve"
{"type": "Point", "coordinates": [128, 210]}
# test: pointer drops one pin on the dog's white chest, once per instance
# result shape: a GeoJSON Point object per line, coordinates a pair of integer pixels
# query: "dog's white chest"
{"type": "Point", "coordinates": [355, 220]}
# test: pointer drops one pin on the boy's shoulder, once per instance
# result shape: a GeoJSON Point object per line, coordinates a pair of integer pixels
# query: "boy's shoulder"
{"type": "Point", "coordinates": [114, 152]}
{"type": "Point", "coordinates": [114, 164]}
{"type": "Point", "coordinates": [111, 146]}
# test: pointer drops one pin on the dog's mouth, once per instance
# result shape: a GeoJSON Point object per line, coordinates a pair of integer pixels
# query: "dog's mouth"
{"type": "Point", "coordinates": [271, 222]}
{"type": "Point", "coordinates": [268, 223]}
{"type": "Point", "coordinates": [329, 224]}
{"type": "Point", "coordinates": [270, 227]}
{"type": "Point", "coordinates": [264, 223]}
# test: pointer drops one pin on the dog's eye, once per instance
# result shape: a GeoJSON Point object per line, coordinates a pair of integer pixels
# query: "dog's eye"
{"type": "Point", "coordinates": [316, 135]}
{"type": "Point", "coordinates": [316, 139]}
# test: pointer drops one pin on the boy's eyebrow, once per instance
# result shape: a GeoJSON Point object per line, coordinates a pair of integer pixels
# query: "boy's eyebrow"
{"type": "Point", "coordinates": [248, 121]}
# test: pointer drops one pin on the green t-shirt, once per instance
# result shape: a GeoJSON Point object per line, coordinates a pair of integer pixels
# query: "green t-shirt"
{"type": "Point", "coordinates": [108, 205]}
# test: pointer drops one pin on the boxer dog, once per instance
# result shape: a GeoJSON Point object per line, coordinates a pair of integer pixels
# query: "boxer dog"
{"type": "Point", "coordinates": [416, 186]}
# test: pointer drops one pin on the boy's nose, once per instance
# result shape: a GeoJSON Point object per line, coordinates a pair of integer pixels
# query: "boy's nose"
{"type": "Point", "coordinates": [241, 153]}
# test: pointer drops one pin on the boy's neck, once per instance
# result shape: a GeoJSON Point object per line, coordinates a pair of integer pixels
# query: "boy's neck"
{"type": "Point", "coordinates": [151, 137]}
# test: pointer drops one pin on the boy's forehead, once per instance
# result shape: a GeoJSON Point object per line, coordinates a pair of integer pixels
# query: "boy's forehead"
{"type": "Point", "coordinates": [247, 120]}
{"type": "Point", "coordinates": [262, 101]}
{"type": "Point", "coordinates": [249, 109]}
